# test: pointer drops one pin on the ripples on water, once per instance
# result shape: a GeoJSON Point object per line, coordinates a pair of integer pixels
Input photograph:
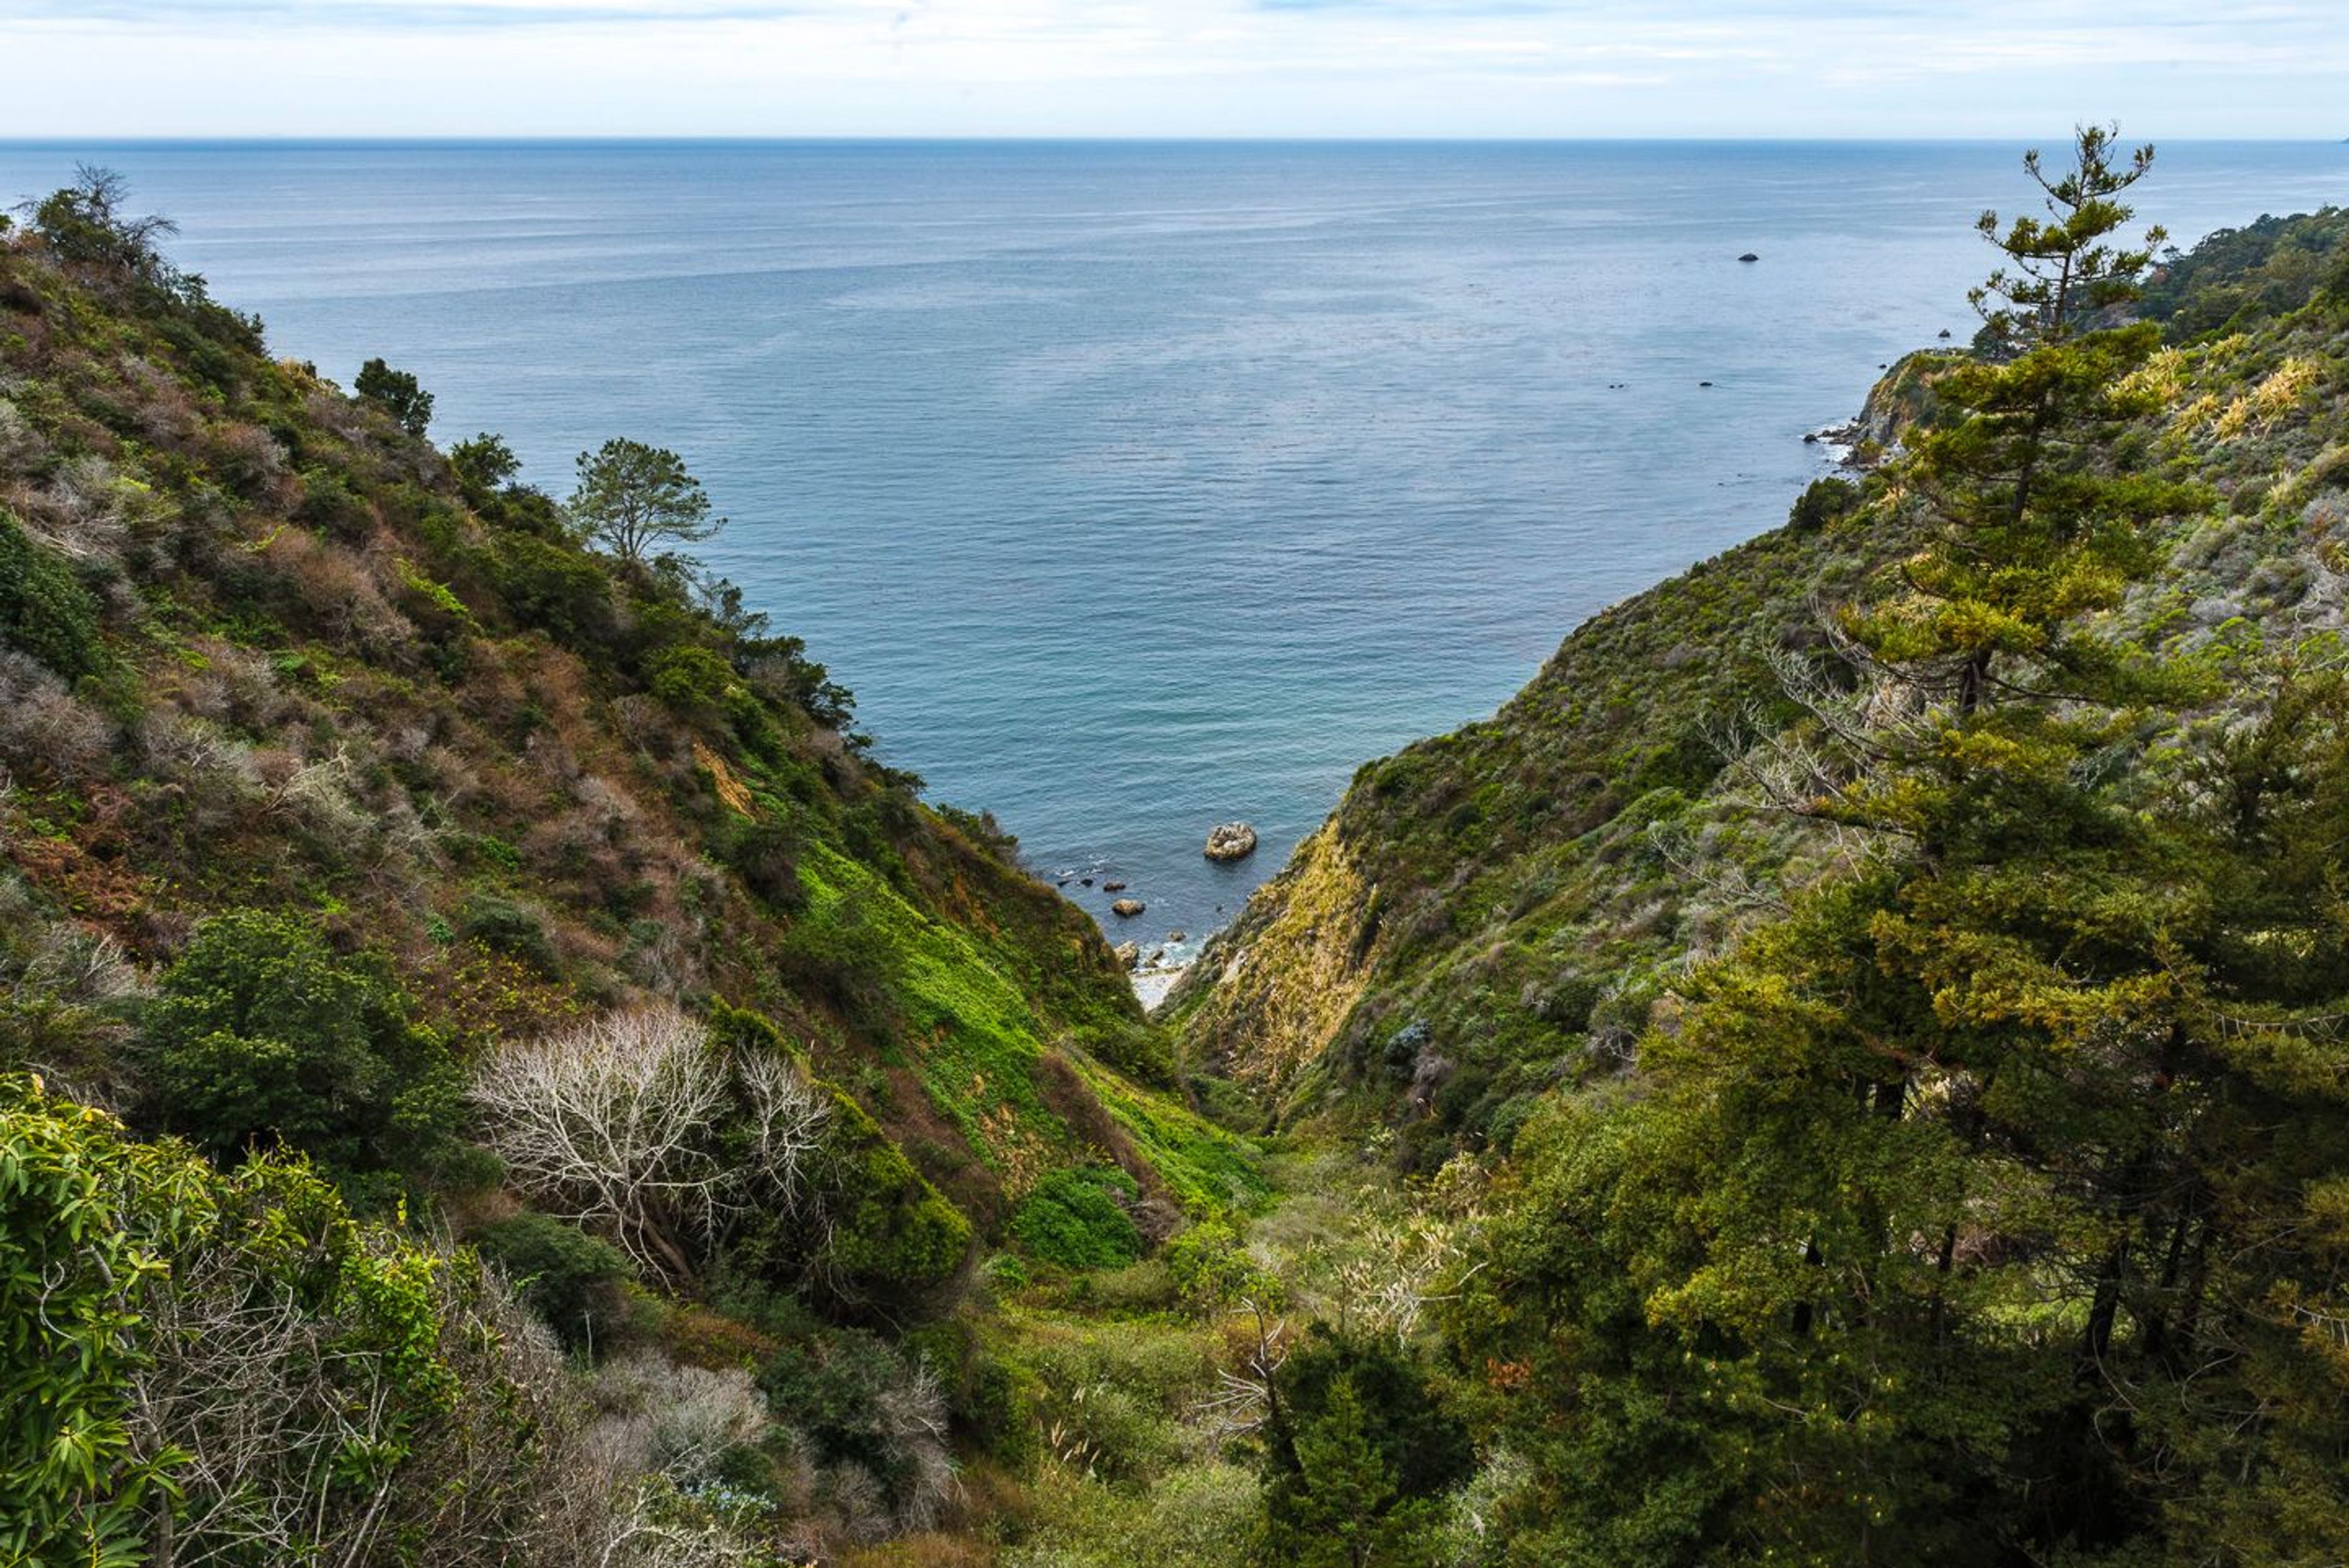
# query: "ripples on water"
{"type": "Point", "coordinates": [1137, 487]}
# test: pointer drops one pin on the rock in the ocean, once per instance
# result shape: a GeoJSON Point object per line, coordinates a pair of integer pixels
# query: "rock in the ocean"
{"type": "Point", "coordinates": [1127, 954]}
{"type": "Point", "coordinates": [1112, 886]}
{"type": "Point", "coordinates": [1232, 841]}
{"type": "Point", "coordinates": [1126, 909]}
{"type": "Point", "coordinates": [1175, 936]}
{"type": "Point", "coordinates": [1749, 256]}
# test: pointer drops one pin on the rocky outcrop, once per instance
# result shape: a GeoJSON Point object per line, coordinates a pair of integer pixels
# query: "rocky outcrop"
{"type": "Point", "coordinates": [1231, 841]}
{"type": "Point", "coordinates": [1126, 909]}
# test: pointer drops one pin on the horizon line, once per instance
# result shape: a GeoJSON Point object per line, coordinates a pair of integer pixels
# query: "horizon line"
{"type": "Point", "coordinates": [1068, 138]}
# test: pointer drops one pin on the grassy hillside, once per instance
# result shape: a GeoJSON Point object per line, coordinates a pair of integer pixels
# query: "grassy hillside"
{"type": "Point", "coordinates": [357, 810]}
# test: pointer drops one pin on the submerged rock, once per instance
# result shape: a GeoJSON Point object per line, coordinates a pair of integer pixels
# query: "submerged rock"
{"type": "Point", "coordinates": [1112, 886]}
{"type": "Point", "coordinates": [1126, 909]}
{"type": "Point", "coordinates": [1232, 841]}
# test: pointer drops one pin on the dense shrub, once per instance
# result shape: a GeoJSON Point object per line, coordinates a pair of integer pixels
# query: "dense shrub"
{"type": "Point", "coordinates": [233, 1364]}
{"type": "Point", "coordinates": [264, 1037]}
{"type": "Point", "coordinates": [844, 960]}
{"type": "Point", "coordinates": [764, 852]}
{"type": "Point", "coordinates": [874, 1422]}
{"type": "Point", "coordinates": [1212, 1270]}
{"type": "Point", "coordinates": [1074, 1218]}
{"type": "Point", "coordinates": [692, 681]}
{"type": "Point", "coordinates": [504, 926]}
{"type": "Point", "coordinates": [892, 1237]}
{"type": "Point", "coordinates": [1826, 500]}
{"type": "Point", "coordinates": [567, 1277]}
{"type": "Point", "coordinates": [44, 608]}
{"type": "Point", "coordinates": [557, 590]}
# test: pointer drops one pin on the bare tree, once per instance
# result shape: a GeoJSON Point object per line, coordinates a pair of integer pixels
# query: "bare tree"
{"type": "Point", "coordinates": [616, 1124]}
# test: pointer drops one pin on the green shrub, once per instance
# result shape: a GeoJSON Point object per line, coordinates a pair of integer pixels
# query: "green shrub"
{"type": "Point", "coordinates": [264, 1037]}
{"type": "Point", "coordinates": [1826, 500]}
{"type": "Point", "coordinates": [570, 1279]}
{"type": "Point", "coordinates": [1213, 1271]}
{"type": "Point", "coordinates": [1074, 1218]}
{"type": "Point", "coordinates": [367, 1368]}
{"type": "Point", "coordinates": [765, 853]}
{"type": "Point", "coordinates": [329, 505]}
{"type": "Point", "coordinates": [560, 591]}
{"type": "Point", "coordinates": [44, 608]}
{"type": "Point", "coordinates": [692, 681]}
{"type": "Point", "coordinates": [842, 960]}
{"type": "Point", "coordinates": [858, 1402]}
{"type": "Point", "coordinates": [504, 926]}
{"type": "Point", "coordinates": [893, 1235]}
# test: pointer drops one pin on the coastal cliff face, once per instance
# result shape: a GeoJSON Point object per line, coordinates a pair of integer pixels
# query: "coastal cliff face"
{"type": "Point", "coordinates": [1495, 913]}
{"type": "Point", "coordinates": [1490, 911]}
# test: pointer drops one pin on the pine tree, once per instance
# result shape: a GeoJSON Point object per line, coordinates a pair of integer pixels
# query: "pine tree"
{"type": "Point", "coordinates": [2033, 524]}
{"type": "Point", "coordinates": [1328, 1513]}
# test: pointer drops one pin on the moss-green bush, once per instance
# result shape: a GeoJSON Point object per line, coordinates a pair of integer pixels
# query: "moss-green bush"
{"type": "Point", "coordinates": [504, 926]}
{"type": "Point", "coordinates": [892, 1235]}
{"type": "Point", "coordinates": [264, 1037]}
{"type": "Point", "coordinates": [570, 1279]}
{"type": "Point", "coordinates": [44, 608]}
{"type": "Point", "coordinates": [1074, 1218]}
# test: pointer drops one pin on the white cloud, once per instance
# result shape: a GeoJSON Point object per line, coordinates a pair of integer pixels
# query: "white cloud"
{"type": "Point", "coordinates": [1164, 67]}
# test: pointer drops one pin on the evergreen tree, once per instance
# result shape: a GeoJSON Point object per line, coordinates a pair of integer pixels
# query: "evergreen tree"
{"type": "Point", "coordinates": [397, 393]}
{"type": "Point", "coordinates": [633, 498]}
{"type": "Point", "coordinates": [1984, 1210]}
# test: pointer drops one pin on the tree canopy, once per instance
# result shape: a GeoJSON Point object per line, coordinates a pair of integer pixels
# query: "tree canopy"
{"type": "Point", "coordinates": [637, 499]}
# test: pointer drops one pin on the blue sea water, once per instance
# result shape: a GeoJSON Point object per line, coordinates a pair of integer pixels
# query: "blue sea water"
{"type": "Point", "coordinates": [1137, 487]}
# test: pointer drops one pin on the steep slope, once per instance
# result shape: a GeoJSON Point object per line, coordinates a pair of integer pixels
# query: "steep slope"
{"type": "Point", "coordinates": [1495, 912]}
{"type": "Point", "coordinates": [271, 650]}
{"type": "Point", "coordinates": [392, 879]}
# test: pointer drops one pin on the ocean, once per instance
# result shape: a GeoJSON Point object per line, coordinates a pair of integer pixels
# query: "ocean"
{"type": "Point", "coordinates": [1138, 487]}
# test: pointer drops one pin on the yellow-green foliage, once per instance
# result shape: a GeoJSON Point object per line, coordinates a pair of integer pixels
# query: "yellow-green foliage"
{"type": "Point", "coordinates": [1270, 1013]}
{"type": "Point", "coordinates": [1208, 1170]}
{"type": "Point", "coordinates": [975, 1041]}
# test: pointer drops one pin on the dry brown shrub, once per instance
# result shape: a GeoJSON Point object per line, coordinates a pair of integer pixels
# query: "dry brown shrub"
{"type": "Point", "coordinates": [339, 594]}
{"type": "Point", "coordinates": [44, 728]}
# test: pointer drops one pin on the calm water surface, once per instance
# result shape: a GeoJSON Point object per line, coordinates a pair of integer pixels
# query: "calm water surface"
{"type": "Point", "coordinates": [1137, 487]}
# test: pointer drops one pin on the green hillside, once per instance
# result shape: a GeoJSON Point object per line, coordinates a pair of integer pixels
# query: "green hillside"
{"type": "Point", "coordinates": [344, 781]}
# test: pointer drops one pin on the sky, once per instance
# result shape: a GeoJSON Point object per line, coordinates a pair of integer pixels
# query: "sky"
{"type": "Point", "coordinates": [85, 68]}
